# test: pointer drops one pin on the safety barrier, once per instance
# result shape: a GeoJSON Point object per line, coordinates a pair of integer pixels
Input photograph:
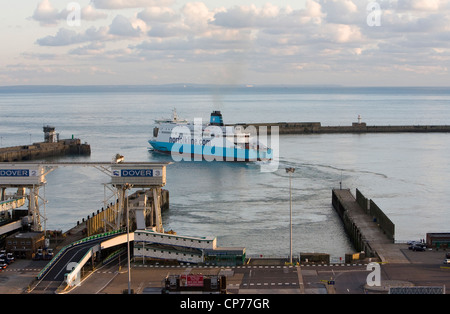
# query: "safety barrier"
{"type": "Point", "coordinates": [113, 255]}
{"type": "Point", "coordinates": [82, 241]}
{"type": "Point", "coordinates": [12, 203]}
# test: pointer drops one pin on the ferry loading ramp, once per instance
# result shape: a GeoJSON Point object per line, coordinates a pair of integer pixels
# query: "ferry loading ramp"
{"type": "Point", "coordinates": [65, 268]}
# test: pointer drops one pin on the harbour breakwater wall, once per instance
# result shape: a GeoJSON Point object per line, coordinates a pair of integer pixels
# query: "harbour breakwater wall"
{"type": "Point", "coordinates": [51, 147]}
{"type": "Point", "coordinates": [357, 127]}
{"type": "Point", "coordinates": [377, 215]}
{"type": "Point", "coordinates": [365, 223]}
{"type": "Point", "coordinates": [44, 150]}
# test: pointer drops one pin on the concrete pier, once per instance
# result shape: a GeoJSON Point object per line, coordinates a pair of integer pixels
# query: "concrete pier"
{"type": "Point", "coordinates": [51, 147]}
{"type": "Point", "coordinates": [369, 230]}
{"type": "Point", "coordinates": [44, 150]}
{"type": "Point", "coordinates": [357, 127]}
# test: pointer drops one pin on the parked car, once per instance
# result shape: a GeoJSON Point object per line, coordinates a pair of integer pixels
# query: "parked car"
{"type": "Point", "coordinates": [48, 254]}
{"type": "Point", "coordinates": [447, 261]}
{"type": "Point", "coordinates": [10, 258]}
{"type": "Point", "coordinates": [418, 247]}
{"type": "Point", "coordinates": [3, 264]}
{"type": "Point", "coordinates": [447, 255]}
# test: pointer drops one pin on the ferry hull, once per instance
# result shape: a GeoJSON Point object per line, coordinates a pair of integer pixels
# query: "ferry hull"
{"type": "Point", "coordinates": [199, 152]}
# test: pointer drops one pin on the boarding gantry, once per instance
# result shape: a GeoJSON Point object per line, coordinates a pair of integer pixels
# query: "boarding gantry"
{"type": "Point", "coordinates": [124, 176]}
{"type": "Point", "coordinates": [23, 176]}
{"type": "Point", "coordinates": [152, 176]}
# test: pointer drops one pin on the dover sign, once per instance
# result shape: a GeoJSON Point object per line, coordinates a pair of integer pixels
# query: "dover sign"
{"type": "Point", "coordinates": [16, 173]}
{"type": "Point", "coordinates": [137, 173]}
{"type": "Point", "coordinates": [143, 175]}
{"type": "Point", "coordinates": [21, 175]}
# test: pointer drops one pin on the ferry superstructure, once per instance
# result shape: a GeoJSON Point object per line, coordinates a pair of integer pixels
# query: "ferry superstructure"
{"type": "Point", "coordinates": [209, 141]}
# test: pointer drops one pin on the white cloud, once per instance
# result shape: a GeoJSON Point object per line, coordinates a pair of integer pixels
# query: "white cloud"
{"type": "Point", "coordinates": [251, 16]}
{"type": "Point", "coordinates": [428, 5]}
{"type": "Point", "coordinates": [95, 48]}
{"type": "Point", "coordinates": [421, 5]}
{"type": "Point", "coordinates": [313, 9]}
{"type": "Point", "coordinates": [89, 13]}
{"type": "Point", "coordinates": [121, 26]}
{"type": "Point", "coordinates": [66, 37]}
{"type": "Point", "coordinates": [47, 15]}
{"type": "Point", "coordinates": [324, 35]}
{"type": "Point", "coordinates": [342, 33]}
{"type": "Point", "coordinates": [168, 30]}
{"type": "Point", "coordinates": [344, 11]}
{"type": "Point", "coordinates": [197, 15]}
{"type": "Point", "coordinates": [126, 4]}
{"type": "Point", "coordinates": [158, 14]}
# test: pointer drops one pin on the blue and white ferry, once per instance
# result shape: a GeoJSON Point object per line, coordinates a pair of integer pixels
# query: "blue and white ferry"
{"type": "Point", "coordinates": [207, 141]}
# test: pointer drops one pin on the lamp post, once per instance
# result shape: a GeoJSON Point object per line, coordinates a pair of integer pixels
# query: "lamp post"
{"type": "Point", "coordinates": [290, 171]}
{"type": "Point", "coordinates": [125, 188]}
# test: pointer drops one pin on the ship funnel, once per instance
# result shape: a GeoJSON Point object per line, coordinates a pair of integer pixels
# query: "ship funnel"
{"type": "Point", "coordinates": [216, 118]}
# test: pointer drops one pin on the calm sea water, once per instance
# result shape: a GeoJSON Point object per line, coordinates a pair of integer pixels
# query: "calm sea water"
{"type": "Point", "coordinates": [407, 175]}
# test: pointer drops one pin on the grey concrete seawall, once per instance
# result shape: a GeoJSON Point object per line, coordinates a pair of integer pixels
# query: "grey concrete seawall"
{"type": "Point", "coordinates": [44, 150]}
{"type": "Point", "coordinates": [368, 228]}
{"type": "Point", "coordinates": [317, 128]}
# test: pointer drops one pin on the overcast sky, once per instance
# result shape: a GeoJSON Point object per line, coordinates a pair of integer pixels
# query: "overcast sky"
{"type": "Point", "coordinates": [346, 42]}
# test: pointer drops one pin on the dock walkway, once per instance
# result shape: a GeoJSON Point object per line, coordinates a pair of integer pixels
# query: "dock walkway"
{"type": "Point", "coordinates": [368, 231]}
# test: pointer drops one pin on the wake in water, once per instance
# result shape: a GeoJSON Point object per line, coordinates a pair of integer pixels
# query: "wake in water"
{"type": "Point", "coordinates": [302, 165]}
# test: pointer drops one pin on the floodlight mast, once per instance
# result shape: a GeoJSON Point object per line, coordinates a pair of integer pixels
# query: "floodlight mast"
{"type": "Point", "coordinates": [290, 171]}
